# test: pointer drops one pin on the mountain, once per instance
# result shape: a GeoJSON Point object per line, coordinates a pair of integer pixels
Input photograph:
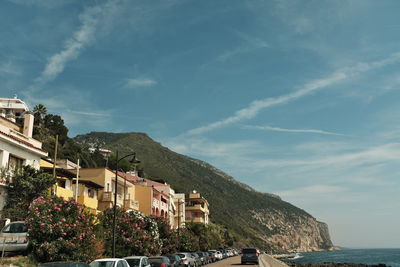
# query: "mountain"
{"type": "Point", "coordinates": [256, 219]}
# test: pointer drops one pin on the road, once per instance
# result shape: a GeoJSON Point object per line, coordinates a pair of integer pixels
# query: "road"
{"type": "Point", "coordinates": [229, 262]}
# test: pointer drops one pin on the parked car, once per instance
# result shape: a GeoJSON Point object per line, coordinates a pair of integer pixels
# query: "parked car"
{"type": "Point", "coordinates": [187, 259]}
{"type": "Point", "coordinates": [208, 257]}
{"type": "Point", "coordinates": [160, 261]}
{"type": "Point", "coordinates": [196, 258]}
{"type": "Point", "coordinates": [109, 262]}
{"type": "Point", "coordinates": [249, 255]}
{"type": "Point", "coordinates": [64, 264]}
{"type": "Point", "coordinates": [138, 261]}
{"type": "Point", "coordinates": [213, 256]}
{"type": "Point", "coordinates": [219, 255]}
{"type": "Point", "coordinates": [14, 237]}
{"type": "Point", "coordinates": [175, 260]}
{"type": "Point", "coordinates": [202, 257]}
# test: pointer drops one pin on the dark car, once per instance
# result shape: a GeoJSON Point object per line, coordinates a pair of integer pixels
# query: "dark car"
{"type": "Point", "coordinates": [249, 255]}
{"type": "Point", "coordinates": [175, 260]}
{"type": "Point", "coordinates": [197, 259]}
{"type": "Point", "coordinates": [160, 261]}
{"type": "Point", "coordinates": [64, 264]}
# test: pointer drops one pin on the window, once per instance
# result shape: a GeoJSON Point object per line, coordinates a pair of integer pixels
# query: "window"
{"type": "Point", "coordinates": [15, 163]}
{"type": "Point", "coordinates": [15, 228]}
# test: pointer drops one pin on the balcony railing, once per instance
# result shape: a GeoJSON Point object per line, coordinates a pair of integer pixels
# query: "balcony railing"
{"type": "Point", "coordinates": [107, 196]}
{"type": "Point", "coordinates": [88, 202]}
{"type": "Point", "coordinates": [195, 219]}
{"type": "Point", "coordinates": [131, 204]}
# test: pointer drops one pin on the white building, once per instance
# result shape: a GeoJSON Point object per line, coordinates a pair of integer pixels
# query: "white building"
{"type": "Point", "coordinates": [17, 147]}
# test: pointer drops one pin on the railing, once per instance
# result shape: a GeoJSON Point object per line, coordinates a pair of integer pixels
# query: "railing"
{"type": "Point", "coordinates": [88, 202]}
{"type": "Point", "coordinates": [107, 196]}
{"type": "Point", "coordinates": [66, 194]}
{"type": "Point", "coordinates": [131, 204]}
{"type": "Point", "coordinates": [194, 219]}
{"type": "Point", "coordinates": [266, 260]}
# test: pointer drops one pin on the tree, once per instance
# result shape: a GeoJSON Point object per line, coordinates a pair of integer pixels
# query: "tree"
{"type": "Point", "coordinates": [39, 111]}
{"type": "Point", "coordinates": [26, 185]}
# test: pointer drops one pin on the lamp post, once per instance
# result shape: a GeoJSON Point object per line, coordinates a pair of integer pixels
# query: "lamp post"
{"type": "Point", "coordinates": [133, 160]}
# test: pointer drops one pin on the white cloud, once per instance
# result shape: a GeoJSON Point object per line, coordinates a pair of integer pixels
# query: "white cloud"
{"type": "Point", "coordinates": [258, 105]}
{"type": "Point", "coordinates": [134, 83]}
{"type": "Point", "coordinates": [74, 46]}
{"type": "Point", "coordinates": [7, 68]}
{"type": "Point", "coordinates": [277, 129]}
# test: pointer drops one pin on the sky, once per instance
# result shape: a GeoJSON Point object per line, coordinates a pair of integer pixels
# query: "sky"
{"type": "Point", "coordinates": [296, 98]}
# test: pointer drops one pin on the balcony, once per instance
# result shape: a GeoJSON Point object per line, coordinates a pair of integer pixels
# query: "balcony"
{"type": "Point", "coordinates": [156, 203]}
{"type": "Point", "coordinates": [66, 194]}
{"type": "Point", "coordinates": [195, 219]}
{"type": "Point", "coordinates": [131, 204]}
{"type": "Point", "coordinates": [107, 196]}
{"type": "Point", "coordinates": [196, 207]}
{"type": "Point", "coordinates": [88, 202]}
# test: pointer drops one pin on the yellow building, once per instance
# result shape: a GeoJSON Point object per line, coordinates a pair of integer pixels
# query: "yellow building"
{"type": "Point", "coordinates": [106, 179]}
{"type": "Point", "coordinates": [196, 209]}
{"type": "Point", "coordinates": [63, 188]}
{"type": "Point", "coordinates": [87, 194]}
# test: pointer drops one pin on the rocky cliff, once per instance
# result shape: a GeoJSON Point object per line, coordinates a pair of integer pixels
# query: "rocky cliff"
{"type": "Point", "coordinates": [300, 233]}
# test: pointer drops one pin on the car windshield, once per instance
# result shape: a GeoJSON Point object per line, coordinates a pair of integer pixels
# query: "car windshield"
{"type": "Point", "coordinates": [249, 251]}
{"type": "Point", "coordinates": [102, 264]}
{"type": "Point", "coordinates": [133, 262]}
{"type": "Point", "coordinates": [14, 228]}
{"type": "Point", "coordinates": [181, 255]}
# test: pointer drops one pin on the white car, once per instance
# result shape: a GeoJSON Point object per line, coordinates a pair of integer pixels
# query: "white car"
{"type": "Point", "coordinates": [138, 261]}
{"type": "Point", "coordinates": [110, 262]}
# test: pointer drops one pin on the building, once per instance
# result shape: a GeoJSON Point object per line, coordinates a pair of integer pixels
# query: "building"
{"type": "Point", "coordinates": [105, 177]}
{"type": "Point", "coordinates": [179, 217]}
{"type": "Point", "coordinates": [196, 209]}
{"type": "Point", "coordinates": [17, 147]}
{"type": "Point", "coordinates": [87, 192]}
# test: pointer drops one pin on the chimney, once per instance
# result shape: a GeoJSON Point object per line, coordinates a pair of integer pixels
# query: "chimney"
{"type": "Point", "coordinates": [28, 124]}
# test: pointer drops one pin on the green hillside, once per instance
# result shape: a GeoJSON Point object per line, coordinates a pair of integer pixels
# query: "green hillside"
{"type": "Point", "coordinates": [232, 204]}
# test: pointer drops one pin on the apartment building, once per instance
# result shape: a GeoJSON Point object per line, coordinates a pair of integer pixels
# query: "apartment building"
{"type": "Point", "coordinates": [17, 147]}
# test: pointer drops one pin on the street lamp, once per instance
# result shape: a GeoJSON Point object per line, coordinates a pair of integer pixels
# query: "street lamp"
{"type": "Point", "coordinates": [133, 160]}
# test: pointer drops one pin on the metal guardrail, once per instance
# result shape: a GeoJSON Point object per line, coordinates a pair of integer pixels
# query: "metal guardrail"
{"type": "Point", "coordinates": [266, 260]}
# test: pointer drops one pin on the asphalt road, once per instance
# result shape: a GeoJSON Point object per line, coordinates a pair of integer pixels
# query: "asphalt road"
{"type": "Point", "coordinates": [229, 262]}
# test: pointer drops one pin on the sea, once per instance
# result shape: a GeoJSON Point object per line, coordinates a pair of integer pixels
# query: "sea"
{"type": "Point", "coordinates": [390, 257]}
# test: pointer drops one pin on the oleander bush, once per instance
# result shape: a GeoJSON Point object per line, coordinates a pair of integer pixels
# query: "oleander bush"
{"type": "Point", "coordinates": [168, 236]}
{"type": "Point", "coordinates": [135, 234]}
{"type": "Point", "coordinates": [61, 230]}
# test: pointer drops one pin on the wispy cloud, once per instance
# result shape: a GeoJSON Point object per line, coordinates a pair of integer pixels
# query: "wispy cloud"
{"type": "Point", "coordinates": [73, 46]}
{"type": "Point", "coordinates": [277, 129]}
{"type": "Point", "coordinates": [258, 105]}
{"type": "Point", "coordinates": [7, 68]}
{"type": "Point", "coordinates": [135, 83]}
{"type": "Point", "coordinates": [86, 113]}
{"type": "Point", "coordinates": [252, 43]}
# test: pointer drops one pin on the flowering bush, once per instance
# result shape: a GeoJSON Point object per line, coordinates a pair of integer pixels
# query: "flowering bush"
{"type": "Point", "coordinates": [168, 237]}
{"type": "Point", "coordinates": [61, 230]}
{"type": "Point", "coordinates": [136, 234]}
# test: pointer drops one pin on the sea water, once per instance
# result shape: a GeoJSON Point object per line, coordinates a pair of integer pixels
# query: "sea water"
{"type": "Point", "coordinates": [390, 257]}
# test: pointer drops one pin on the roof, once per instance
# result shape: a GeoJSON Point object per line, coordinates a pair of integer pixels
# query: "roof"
{"type": "Point", "coordinates": [59, 172]}
{"type": "Point", "coordinates": [22, 141]}
{"type": "Point", "coordinates": [89, 183]}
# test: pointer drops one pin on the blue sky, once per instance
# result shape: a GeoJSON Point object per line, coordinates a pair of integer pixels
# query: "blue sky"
{"type": "Point", "coordinates": [297, 98]}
